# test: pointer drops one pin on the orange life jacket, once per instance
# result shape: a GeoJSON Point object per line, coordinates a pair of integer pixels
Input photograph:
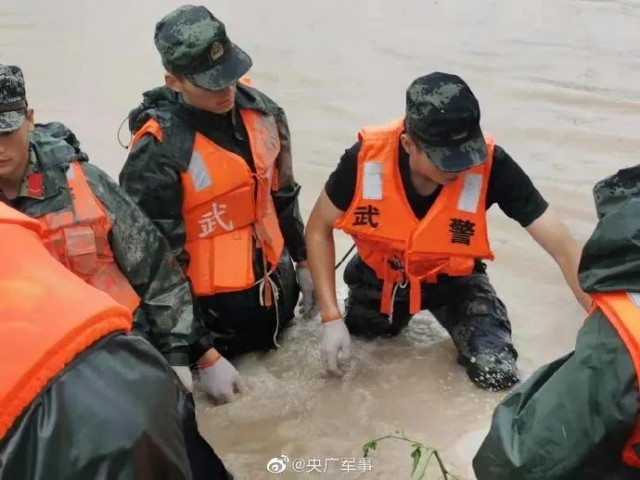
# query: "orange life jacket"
{"type": "Point", "coordinates": [390, 239]}
{"type": "Point", "coordinates": [226, 206]}
{"type": "Point", "coordinates": [622, 309]}
{"type": "Point", "coordinates": [47, 315]}
{"type": "Point", "coordinates": [79, 239]}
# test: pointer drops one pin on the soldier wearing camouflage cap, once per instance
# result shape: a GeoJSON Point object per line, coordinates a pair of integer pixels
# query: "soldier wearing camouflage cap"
{"type": "Point", "coordinates": [210, 163]}
{"type": "Point", "coordinates": [413, 195]}
{"type": "Point", "coordinates": [92, 227]}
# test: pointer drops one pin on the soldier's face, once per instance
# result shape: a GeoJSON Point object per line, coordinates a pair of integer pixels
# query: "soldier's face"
{"type": "Point", "coordinates": [421, 164]}
{"type": "Point", "coordinates": [214, 101]}
{"type": "Point", "coordinates": [14, 149]}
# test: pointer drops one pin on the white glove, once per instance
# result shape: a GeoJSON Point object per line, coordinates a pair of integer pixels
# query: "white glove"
{"type": "Point", "coordinates": [221, 381]}
{"type": "Point", "coordinates": [309, 307]}
{"type": "Point", "coordinates": [336, 346]}
{"type": "Point", "coordinates": [185, 376]}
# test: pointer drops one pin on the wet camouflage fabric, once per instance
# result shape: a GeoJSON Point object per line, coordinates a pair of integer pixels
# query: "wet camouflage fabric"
{"type": "Point", "coordinates": [194, 44]}
{"type": "Point", "coordinates": [166, 316]}
{"type": "Point", "coordinates": [32, 167]}
{"type": "Point", "coordinates": [616, 189]}
{"type": "Point", "coordinates": [467, 307]}
{"type": "Point", "coordinates": [616, 237]}
{"type": "Point", "coordinates": [443, 116]}
{"type": "Point", "coordinates": [13, 101]}
{"type": "Point", "coordinates": [572, 418]}
{"type": "Point", "coordinates": [151, 173]}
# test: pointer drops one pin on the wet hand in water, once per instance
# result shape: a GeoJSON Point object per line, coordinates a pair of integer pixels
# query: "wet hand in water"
{"type": "Point", "coordinates": [309, 307]}
{"type": "Point", "coordinates": [221, 381]}
{"type": "Point", "coordinates": [335, 347]}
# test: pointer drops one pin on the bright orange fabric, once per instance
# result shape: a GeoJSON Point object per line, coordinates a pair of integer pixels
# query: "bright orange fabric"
{"type": "Point", "coordinates": [392, 241]}
{"type": "Point", "coordinates": [624, 314]}
{"type": "Point", "coordinates": [79, 239]}
{"type": "Point", "coordinates": [47, 315]}
{"type": "Point", "coordinates": [228, 210]}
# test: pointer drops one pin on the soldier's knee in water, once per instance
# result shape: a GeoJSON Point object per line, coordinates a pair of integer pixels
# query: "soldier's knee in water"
{"type": "Point", "coordinates": [480, 306]}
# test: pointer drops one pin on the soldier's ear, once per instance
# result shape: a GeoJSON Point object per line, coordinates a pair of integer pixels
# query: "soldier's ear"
{"type": "Point", "coordinates": [407, 143]}
{"type": "Point", "coordinates": [30, 118]}
{"type": "Point", "coordinates": [173, 82]}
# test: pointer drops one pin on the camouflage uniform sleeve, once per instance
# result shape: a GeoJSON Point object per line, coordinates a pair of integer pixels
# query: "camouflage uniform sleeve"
{"type": "Point", "coordinates": [286, 197]}
{"type": "Point", "coordinates": [166, 314]}
{"type": "Point", "coordinates": [152, 180]}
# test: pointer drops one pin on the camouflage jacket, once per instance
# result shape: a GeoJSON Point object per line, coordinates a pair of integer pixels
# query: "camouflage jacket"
{"type": "Point", "coordinates": [151, 174]}
{"type": "Point", "coordinates": [166, 314]}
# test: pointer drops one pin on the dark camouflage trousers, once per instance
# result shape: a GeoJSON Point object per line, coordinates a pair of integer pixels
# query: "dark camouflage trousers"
{"type": "Point", "coordinates": [237, 323]}
{"type": "Point", "coordinates": [467, 307]}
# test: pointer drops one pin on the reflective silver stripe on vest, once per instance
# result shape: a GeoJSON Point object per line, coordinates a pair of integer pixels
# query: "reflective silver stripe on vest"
{"type": "Point", "coordinates": [635, 298]}
{"type": "Point", "coordinates": [372, 180]}
{"type": "Point", "coordinates": [470, 195]}
{"type": "Point", "coordinates": [70, 173]}
{"type": "Point", "coordinates": [199, 173]}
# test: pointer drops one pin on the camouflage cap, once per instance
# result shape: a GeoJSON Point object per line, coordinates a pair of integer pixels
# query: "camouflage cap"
{"type": "Point", "coordinates": [194, 44]}
{"type": "Point", "coordinates": [443, 116]}
{"type": "Point", "coordinates": [13, 101]}
{"type": "Point", "coordinates": [613, 191]}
